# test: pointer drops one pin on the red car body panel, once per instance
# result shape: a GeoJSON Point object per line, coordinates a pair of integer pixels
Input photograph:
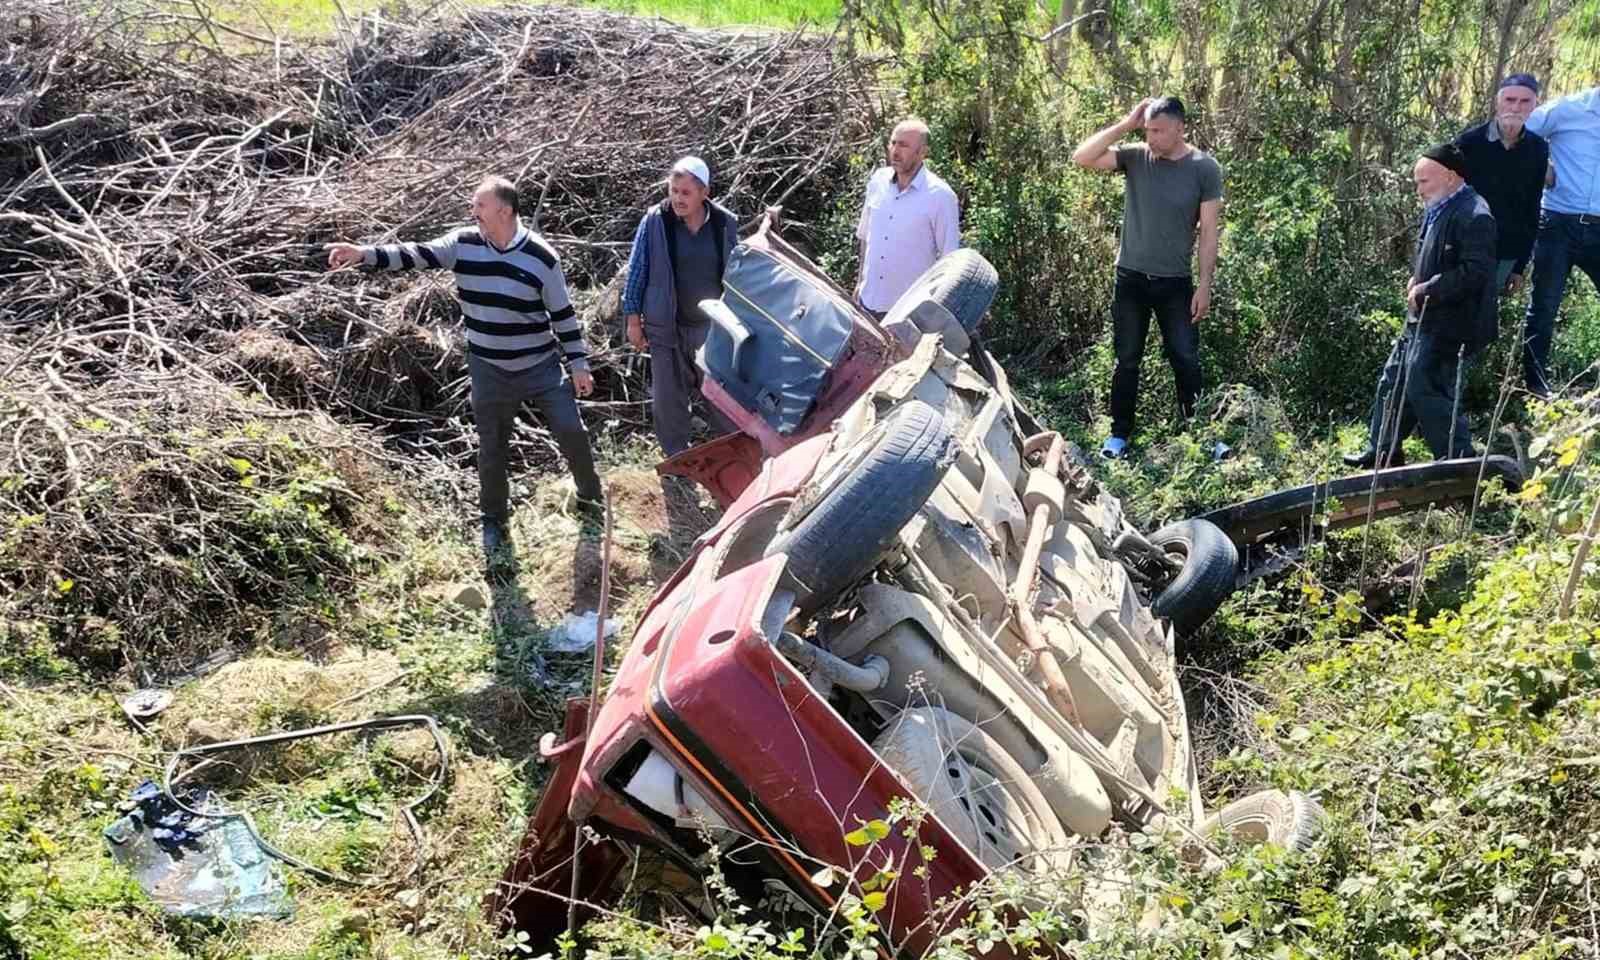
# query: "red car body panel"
{"type": "Point", "coordinates": [702, 685]}
{"type": "Point", "coordinates": [532, 889]}
{"type": "Point", "coordinates": [724, 466]}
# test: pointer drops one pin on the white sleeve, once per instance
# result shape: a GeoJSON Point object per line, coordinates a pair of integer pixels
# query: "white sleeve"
{"type": "Point", "coordinates": [947, 223]}
{"type": "Point", "coordinates": [862, 226]}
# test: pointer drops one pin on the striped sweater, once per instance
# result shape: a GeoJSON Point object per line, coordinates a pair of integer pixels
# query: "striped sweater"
{"type": "Point", "coordinates": [514, 302]}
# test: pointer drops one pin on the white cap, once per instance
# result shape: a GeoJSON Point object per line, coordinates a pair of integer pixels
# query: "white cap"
{"type": "Point", "coordinates": [695, 167]}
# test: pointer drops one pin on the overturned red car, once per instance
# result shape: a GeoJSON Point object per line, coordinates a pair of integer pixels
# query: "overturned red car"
{"type": "Point", "coordinates": [915, 594]}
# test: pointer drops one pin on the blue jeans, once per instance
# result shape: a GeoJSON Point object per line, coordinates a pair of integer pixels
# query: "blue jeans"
{"type": "Point", "coordinates": [1566, 240]}
{"type": "Point", "coordinates": [1138, 296]}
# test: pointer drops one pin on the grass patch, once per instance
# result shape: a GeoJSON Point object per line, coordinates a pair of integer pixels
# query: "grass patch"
{"type": "Point", "coordinates": [718, 13]}
{"type": "Point", "coordinates": [308, 19]}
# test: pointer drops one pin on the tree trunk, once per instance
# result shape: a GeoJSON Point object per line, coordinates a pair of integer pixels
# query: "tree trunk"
{"type": "Point", "coordinates": [1059, 51]}
{"type": "Point", "coordinates": [1345, 87]}
{"type": "Point", "coordinates": [1507, 28]}
{"type": "Point", "coordinates": [1196, 39]}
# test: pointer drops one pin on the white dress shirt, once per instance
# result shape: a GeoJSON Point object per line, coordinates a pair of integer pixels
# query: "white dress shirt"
{"type": "Point", "coordinates": [903, 232]}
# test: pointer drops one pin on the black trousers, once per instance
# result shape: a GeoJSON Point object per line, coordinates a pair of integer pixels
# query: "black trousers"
{"type": "Point", "coordinates": [675, 380]}
{"type": "Point", "coordinates": [497, 395]}
{"type": "Point", "coordinates": [1417, 391]}
{"type": "Point", "coordinates": [1137, 298]}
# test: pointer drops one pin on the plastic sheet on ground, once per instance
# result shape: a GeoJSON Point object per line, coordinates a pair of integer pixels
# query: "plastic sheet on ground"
{"type": "Point", "coordinates": [577, 632]}
{"type": "Point", "coordinates": [196, 866]}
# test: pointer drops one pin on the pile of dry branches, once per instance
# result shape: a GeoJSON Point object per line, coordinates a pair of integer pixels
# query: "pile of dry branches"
{"type": "Point", "coordinates": [147, 526]}
{"type": "Point", "coordinates": [167, 184]}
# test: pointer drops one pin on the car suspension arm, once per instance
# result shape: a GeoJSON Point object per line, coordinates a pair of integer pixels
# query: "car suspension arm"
{"type": "Point", "coordinates": [1054, 681]}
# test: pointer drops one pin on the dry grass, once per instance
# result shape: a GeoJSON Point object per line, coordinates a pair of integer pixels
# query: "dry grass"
{"type": "Point", "coordinates": [67, 755]}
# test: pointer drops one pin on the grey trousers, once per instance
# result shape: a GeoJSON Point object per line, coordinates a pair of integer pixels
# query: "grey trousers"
{"type": "Point", "coordinates": [1428, 371]}
{"type": "Point", "coordinates": [497, 395]}
{"type": "Point", "coordinates": [674, 381]}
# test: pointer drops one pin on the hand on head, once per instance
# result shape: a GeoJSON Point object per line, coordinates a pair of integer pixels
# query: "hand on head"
{"type": "Point", "coordinates": [1135, 118]}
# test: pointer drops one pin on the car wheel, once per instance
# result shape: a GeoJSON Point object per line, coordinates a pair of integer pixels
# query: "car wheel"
{"type": "Point", "coordinates": [871, 492]}
{"type": "Point", "coordinates": [962, 282]}
{"type": "Point", "coordinates": [979, 792]}
{"type": "Point", "coordinates": [1210, 564]}
{"type": "Point", "coordinates": [1290, 820]}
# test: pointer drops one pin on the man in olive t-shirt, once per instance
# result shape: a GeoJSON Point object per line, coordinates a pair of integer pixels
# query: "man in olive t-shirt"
{"type": "Point", "coordinates": [1173, 192]}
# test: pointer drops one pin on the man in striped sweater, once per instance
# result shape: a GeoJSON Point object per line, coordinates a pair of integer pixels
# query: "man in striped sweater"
{"type": "Point", "coordinates": [514, 302]}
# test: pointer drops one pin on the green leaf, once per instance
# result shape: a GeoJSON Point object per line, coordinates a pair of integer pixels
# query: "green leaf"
{"type": "Point", "coordinates": [877, 829]}
{"type": "Point", "coordinates": [876, 900]}
{"type": "Point", "coordinates": [857, 838]}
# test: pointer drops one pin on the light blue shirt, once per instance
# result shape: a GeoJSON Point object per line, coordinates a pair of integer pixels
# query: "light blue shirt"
{"type": "Point", "coordinates": [1572, 125]}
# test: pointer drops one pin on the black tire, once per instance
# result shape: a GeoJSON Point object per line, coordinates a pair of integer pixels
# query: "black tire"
{"type": "Point", "coordinates": [883, 481]}
{"type": "Point", "coordinates": [1210, 566]}
{"type": "Point", "coordinates": [962, 282]}
{"type": "Point", "coordinates": [1290, 820]}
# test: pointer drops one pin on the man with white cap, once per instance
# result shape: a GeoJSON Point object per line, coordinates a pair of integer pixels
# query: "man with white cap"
{"type": "Point", "coordinates": [909, 219]}
{"type": "Point", "coordinates": [680, 251]}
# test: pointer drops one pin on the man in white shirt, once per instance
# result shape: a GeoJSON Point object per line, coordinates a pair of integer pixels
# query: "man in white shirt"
{"type": "Point", "coordinates": [909, 220]}
{"type": "Point", "coordinates": [1569, 226]}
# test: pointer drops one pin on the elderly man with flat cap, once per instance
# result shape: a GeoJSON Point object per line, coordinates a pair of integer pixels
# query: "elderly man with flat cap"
{"type": "Point", "coordinates": [680, 251]}
{"type": "Point", "coordinates": [1506, 164]}
{"type": "Point", "coordinates": [1450, 315]}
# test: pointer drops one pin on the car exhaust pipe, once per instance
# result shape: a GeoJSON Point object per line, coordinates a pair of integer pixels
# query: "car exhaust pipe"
{"type": "Point", "coordinates": [871, 675]}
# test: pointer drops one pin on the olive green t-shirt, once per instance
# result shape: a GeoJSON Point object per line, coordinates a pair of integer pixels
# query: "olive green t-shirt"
{"type": "Point", "coordinates": [1161, 208]}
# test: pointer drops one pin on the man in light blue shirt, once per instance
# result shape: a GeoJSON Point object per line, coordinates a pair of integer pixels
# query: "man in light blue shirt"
{"type": "Point", "coordinates": [1569, 224]}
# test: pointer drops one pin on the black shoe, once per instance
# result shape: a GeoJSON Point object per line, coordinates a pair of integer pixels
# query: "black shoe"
{"type": "Point", "coordinates": [1366, 459]}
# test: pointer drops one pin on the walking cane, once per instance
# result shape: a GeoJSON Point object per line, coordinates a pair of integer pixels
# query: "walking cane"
{"type": "Point", "coordinates": [1390, 424]}
{"type": "Point", "coordinates": [1380, 460]}
{"type": "Point", "coordinates": [1455, 403]}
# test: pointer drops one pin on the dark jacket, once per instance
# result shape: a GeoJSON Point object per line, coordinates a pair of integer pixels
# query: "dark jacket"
{"type": "Point", "coordinates": [1456, 262]}
{"type": "Point", "coordinates": [1512, 181]}
{"type": "Point", "coordinates": [660, 292]}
